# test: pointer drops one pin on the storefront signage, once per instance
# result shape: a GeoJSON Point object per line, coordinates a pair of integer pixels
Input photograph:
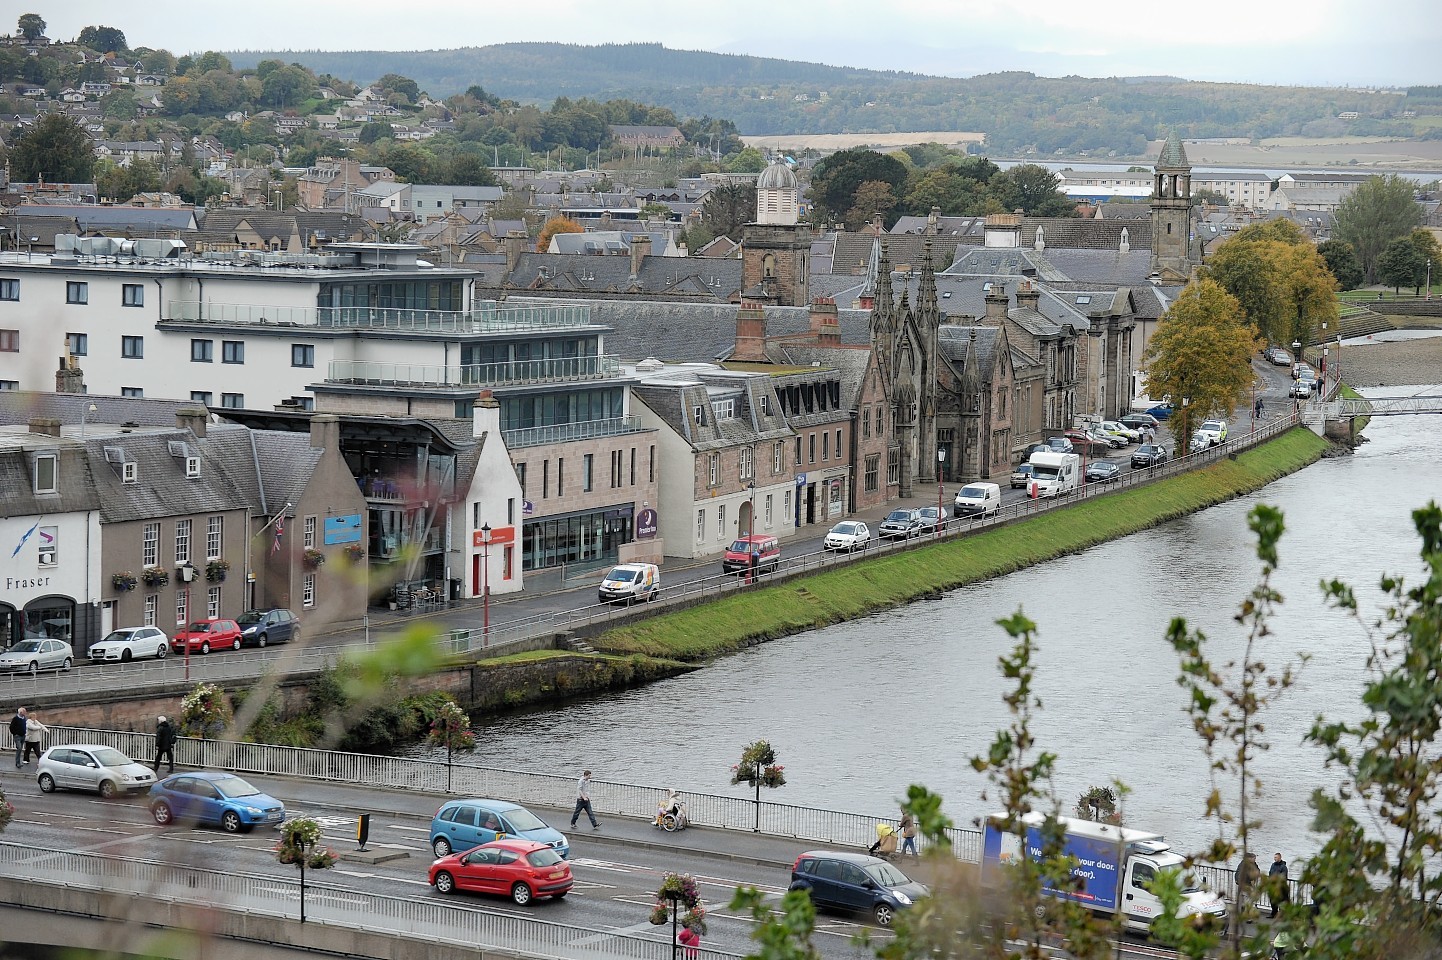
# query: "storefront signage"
{"type": "Point", "coordinates": [801, 479]}
{"type": "Point", "coordinates": [26, 583]}
{"type": "Point", "coordinates": [346, 529]}
{"type": "Point", "coordinates": [646, 524]}
{"type": "Point", "coordinates": [527, 508]}
{"type": "Point", "coordinates": [500, 535]}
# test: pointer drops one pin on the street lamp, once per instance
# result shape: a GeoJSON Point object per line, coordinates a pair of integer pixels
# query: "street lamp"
{"type": "Point", "coordinates": [940, 487]}
{"type": "Point", "coordinates": [84, 411]}
{"type": "Point", "coordinates": [486, 582]}
{"type": "Point", "coordinates": [751, 533]}
{"type": "Point", "coordinates": [1429, 279]}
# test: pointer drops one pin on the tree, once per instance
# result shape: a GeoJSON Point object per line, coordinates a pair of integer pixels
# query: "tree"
{"type": "Point", "coordinates": [748, 160]}
{"type": "Point", "coordinates": [287, 87]}
{"type": "Point", "coordinates": [727, 208]}
{"type": "Point", "coordinates": [1200, 357]}
{"type": "Point", "coordinates": [835, 180]}
{"type": "Point", "coordinates": [32, 27]}
{"type": "Point", "coordinates": [1031, 189]}
{"type": "Point", "coordinates": [873, 198]}
{"type": "Point", "coordinates": [407, 88]}
{"type": "Point", "coordinates": [1400, 265]}
{"type": "Point", "coordinates": [1280, 280]}
{"type": "Point", "coordinates": [469, 170]}
{"type": "Point", "coordinates": [102, 39]}
{"type": "Point", "coordinates": [1379, 211]}
{"type": "Point", "coordinates": [120, 184]}
{"type": "Point", "coordinates": [954, 189]}
{"type": "Point", "coordinates": [1341, 260]}
{"type": "Point", "coordinates": [56, 150]}
{"type": "Point", "coordinates": [554, 226]}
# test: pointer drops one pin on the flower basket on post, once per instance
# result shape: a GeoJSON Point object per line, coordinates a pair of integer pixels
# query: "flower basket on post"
{"type": "Point", "coordinates": [300, 844]}
{"type": "Point", "coordinates": [451, 727]}
{"type": "Point", "coordinates": [204, 711]}
{"type": "Point", "coordinates": [216, 569]}
{"type": "Point", "coordinates": [313, 558]}
{"type": "Point", "coordinates": [759, 768]}
{"type": "Point", "coordinates": [7, 812]}
{"type": "Point", "coordinates": [155, 576]}
{"type": "Point", "coordinates": [679, 890]}
{"type": "Point", "coordinates": [123, 581]}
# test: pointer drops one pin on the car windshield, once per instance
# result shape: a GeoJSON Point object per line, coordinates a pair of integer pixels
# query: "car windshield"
{"type": "Point", "coordinates": [741, 546]}
{"type": "Point", "coordinates": [110, 757]}
{"type": "Point", "coordinates": [622, 574]}
{"type": "Point", "coordinates": [202, 627]}
{"type": "Point", "coordinates": [887, 875]}
{"type": "Point", "coordinates": [847, 528]}
{"type": "Point", "coordinates": [975, 493]}
{"type": "Point", "coordinates": [543, 858]}
{"type": "Point", "coordinates": [1212, 425]}
{"type": "Point", "coordinates": [26, 646]}
{"type": "Point", "coordinates": [523, 819]}
{"type": "Point", "coordinates": [119, 636]}
{"type": "Point", "coordinates": [234, 787]}
{"type": "Point", "coordinates": [1146, 448]}
{"type": "Point", "coordinates": [901, 516]}
{"type": "Point", "coordinates": [250, 616]}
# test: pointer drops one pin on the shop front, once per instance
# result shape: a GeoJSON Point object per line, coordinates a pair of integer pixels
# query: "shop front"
{"type": "Point", "coordinates": [584, 537]}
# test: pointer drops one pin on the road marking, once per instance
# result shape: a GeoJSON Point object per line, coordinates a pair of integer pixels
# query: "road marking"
{"type": "Point", "coordinates": [401, 826]}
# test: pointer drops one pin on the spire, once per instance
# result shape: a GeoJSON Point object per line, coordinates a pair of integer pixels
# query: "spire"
{"type": "Point", "coordinates": [1174, 155]}
{"type": "Point", "coordinates": [926, 310]}
{"type": "Point", "coordinates": [884, 307]}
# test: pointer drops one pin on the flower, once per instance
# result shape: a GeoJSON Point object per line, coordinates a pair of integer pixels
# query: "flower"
{"type": "Point", "coordinates": [155, 576]}
{"type": "Point", "coordinates": [313, 558]}
{"type": "Point", "coordinates": [215, 569]}
{"type": "Point", "coordinates": [122, 581]}
{"type": "Point", "coordinates": [355, 553]}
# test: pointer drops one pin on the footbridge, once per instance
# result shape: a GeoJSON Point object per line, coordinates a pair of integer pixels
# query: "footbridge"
{"type": "Point", "coordinates": [1328, 417]}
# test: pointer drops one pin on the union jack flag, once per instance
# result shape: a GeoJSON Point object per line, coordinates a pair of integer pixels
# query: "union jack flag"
{"type": "Point", "coordinates": [279, 532]}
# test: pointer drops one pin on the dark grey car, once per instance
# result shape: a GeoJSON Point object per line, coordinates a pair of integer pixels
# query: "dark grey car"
{"type": "Point", "coordinates": [259, 628]}
{"type": "Point", "coordinates": [855, 882]}
{"type": "Point", "coordinates": [900, 525]}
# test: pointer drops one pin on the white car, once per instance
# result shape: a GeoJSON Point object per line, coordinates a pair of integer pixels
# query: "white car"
{"type": "Point", "coordinates": [90, 766]}
{"type": "Point", "coordinates": [1214, 430]}
{"type": "Point", "coordinates": [131, 643]}
{"type": "Point", "coordinates": [848, 535]}
{"type": "Point", "coordinates": [1119, 429]}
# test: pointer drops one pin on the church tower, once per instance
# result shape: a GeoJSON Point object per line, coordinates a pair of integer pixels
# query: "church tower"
{"type": "Point", "coordinates": [776, 249]}
{"type": "Point", "coordinates": [1172, 213]}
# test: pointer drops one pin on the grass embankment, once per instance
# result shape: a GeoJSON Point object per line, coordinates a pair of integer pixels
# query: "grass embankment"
{"type": "Point", "coordinates": [858, 589]}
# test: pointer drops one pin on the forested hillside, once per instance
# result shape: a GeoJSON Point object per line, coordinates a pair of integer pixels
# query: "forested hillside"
{"type": "Point", "coordinates": [1018, 111]}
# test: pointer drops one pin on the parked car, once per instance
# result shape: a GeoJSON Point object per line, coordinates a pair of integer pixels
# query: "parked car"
{"type": "Point", "coordinates": [131, 643]}
{"type": "Point", "coordinates": [630, 582]}
{"type": "Point", "coordinates": [1140, 421]}
{"type": "Point", "coordinates": [759, 552]}
{"type": "Point", "coordinates": [519, 869]}
{"type": "Point", "coordinates": [1161, 411]}
{"type": "Point", "coordinates": [89, 766]}
{"type": "Point", "coordinates": [1100, 471]}
{"type": "Point", "coordinates": [856, 883]}
{"type": "Point", "coordinates": [212, 633]}
{"type": "Point", "coordinates": [1118, 428]}
{"type": "Point", "coordinates": [463, 824]}
{"type": "Point", "coordinates": [1115, 441]}
{"type": "Point", "coordinates": [900, 525]}
{"type": "Point", "coordinates": [1302, 389]}
{"type": "Point", "coordinates": [214, 798]}
{"type": "Point", "coordinates": [1279, 356]}
{"type": "Point", "coordinates": [1059, 445]}
{"type": "Point", "coordinates": [1033, 448]}
{"type": "Point", "coordinates": [1149, 455]}
{"type": "Point", "coordinates": [258, 628]}
{"type": "Point", "coordinates": [1199, 442]}
{"type": "Point", "coordinates": [1020, 476]}
{"type": "Point", "coordinates": [1088, 445]}
{"type": "Point", "coordinates": [932, 519]}
{"type": "Point", "coordinates": [32, 656]}
{"type": "Point", "coordinates": [1303, 371]}
{"type": "Point", "coordinates": [1214, 430]}
{"type": "Point", "coordinates": [848, 535]}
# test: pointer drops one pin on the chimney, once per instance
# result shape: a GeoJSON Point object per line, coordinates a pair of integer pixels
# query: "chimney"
{"type": "Point", "coordinates": [640, 250]}
{"type": "Point", "coordinates": [996, 304]}
{"type": "Point", "coordinates": [45, 426]}
{"type": "Point", "coordinates": [486, 415]}
{"type": "Point", "coordinates": [325, 432]}
{"type": "Point", "coordinates": [933, 220]}
{"type": "Point", "coordinates": [1027, 295]}
{"type": "Point", "coordinates": [515, 244]}
{"type": "Point", "coordinates": [194, 419]}
{"type": "Point", "coordinates": [69, 378]}
{"type": "Point", "coordinates": [750, 332]}
{"type": "Point", "coordinates": [825, 327]}
{"type": "Point", "coordinates": [1003, 230]}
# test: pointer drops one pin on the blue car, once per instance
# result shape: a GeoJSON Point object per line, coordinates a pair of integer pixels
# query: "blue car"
{"type": "Point", "coordinates": [463, 824]}
{"type": "Point", "coordinates": [1161, 411]}
{"type": "Point", "coordinates": [219, 799]}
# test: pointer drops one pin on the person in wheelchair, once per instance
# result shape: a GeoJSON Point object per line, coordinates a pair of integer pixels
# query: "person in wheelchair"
{"type": "Point", "coordinates": [673, 808]}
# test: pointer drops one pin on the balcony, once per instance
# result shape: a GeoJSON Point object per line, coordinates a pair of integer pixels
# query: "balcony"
{"type": "Point", "coordinates": [562, 432]}
{"type": "Point", "coordinates": [487, 318]}
{"type": "Point", "coordinates": [510, 374]}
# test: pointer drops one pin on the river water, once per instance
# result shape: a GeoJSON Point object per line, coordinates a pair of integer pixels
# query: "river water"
{"type": "Point", "coordinates": [860, 710]}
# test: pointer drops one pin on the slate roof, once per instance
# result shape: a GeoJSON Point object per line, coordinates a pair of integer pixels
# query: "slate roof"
{"type": "Point", "coordinates": [1001, 262]}
{"type": "Point", "coordinates": [851, 363]}
{"type": "Point", "coordinates": [586, 274]}
{"type": "Point", "coordinates": [161, 488]}
{"type": "Point", "coordinates": [140, 220]}
{"type": "Point", "coordinates": [1134, 266]}
{"type": "Point", "coordinates": [19, 406]}
{"type": "Point", "coordinates": [1126, 211]}
{"type": "Point", "coordinates": [17, 487]}
{"type": "Point", "coordinates": [853, 251]}
{"type": "Point", "coordinates": [946, 227]}
{"type": "Point", "coordinates": [1087, 233]}
{"type": "Point", "coordinates": [1174, 155]}
{"type": "Point", "coordinates": [956, 342]}
{"type": "Point", "coordinates": [673, 397]}
{"type": "Point", "coordinates": [286, 462]}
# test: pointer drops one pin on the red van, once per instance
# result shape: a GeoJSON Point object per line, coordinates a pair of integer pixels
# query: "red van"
{"type": "Point", "coordinates": [761, 551]}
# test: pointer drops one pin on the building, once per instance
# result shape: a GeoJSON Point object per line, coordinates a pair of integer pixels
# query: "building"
{"type": "Point", "coordinates": [776, 248]}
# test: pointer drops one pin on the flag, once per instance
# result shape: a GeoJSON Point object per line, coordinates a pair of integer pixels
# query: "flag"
{"type": "Point", "coordinates": [279, 531]}
{"type": "Point", "coordinates": [21, 545]}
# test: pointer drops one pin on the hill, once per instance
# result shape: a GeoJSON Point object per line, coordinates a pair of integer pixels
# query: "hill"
{"type": "Point", "coordinates": [1020, 112]}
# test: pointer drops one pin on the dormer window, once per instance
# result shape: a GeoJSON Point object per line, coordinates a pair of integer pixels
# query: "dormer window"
{"type": "Point", "coordinates": [47, 474]}
{"type": "Point", "coordinates": [192, 468]}
{"type": "Point", "coordinates": [699, 414]}
{"type": "Point", "coordinates": [129, 473]}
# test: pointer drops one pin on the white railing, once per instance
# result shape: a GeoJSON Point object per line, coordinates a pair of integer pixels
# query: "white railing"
{"type": "Point", "coordinates": [488, 318]}
{"type": "Point", "coordinates": [562, 432]}
{"type": "Point", "coordinates": [556, 370]}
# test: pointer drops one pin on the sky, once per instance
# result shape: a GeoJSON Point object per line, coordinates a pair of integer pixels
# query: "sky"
{"type": "Point", "coordinates": [1310, 42]}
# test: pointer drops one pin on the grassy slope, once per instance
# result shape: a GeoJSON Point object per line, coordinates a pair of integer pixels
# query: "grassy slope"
{"type": "Point", "coordinates": [861, 588]}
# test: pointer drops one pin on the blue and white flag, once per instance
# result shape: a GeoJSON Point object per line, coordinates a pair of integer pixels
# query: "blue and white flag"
{"type": "Point", "coordinates": [21, 545]}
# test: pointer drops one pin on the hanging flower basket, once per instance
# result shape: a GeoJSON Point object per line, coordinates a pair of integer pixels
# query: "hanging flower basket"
{"type": "Point", "coordinates": [660, 914]}
{"type": "Point", "coordinates": [216, 569]}
{"type": "Point", "coordinates": [155, 576]}
{"type": "Point", "coordinates": [314, 559]}
{"type": "Point", "coordinates": [355, 553]}
{"type": "Point", "coordinates": [7, 812]}
{"type": "Point", "coordinates": [123, 581]}
{"type": "Point", "coordinates": [758, 765]}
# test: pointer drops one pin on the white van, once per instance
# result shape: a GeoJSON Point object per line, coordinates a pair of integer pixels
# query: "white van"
{"type": "Point", "coordinates": [630, 582]}
{"type": "Point", "coordinates": [1053, 474]}
{"type": "Point", "coordinates": [977, 499]}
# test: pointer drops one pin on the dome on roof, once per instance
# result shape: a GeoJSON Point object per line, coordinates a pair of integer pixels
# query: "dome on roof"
{"type": "Point", "coordinates": [777, 176]}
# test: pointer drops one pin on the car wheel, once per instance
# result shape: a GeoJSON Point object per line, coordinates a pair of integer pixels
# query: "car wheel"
{"type": "Point", "coordinates": [162, 813]}
{"type": "Point", "coordinates": [162, 651]}
{"type": "Point", "coordinates": [295, 635]}
{"type": "Point", "coordinates": [235, 644]}
{"type": "Point", "coordinates": [521, 894]}
{"type": "Point", "coordinates": [66, 665]}
{"type": "Point", "coordinates": [884, 914]}
{"type": "Point", "coordinates": [47, 783]}
{"type": "Point", "coordinates": [108, 789]}
{"type": "Point", "coordinates": [125, 656]}
{"type": "Point", "coordinates": [34, 668]}
{"type": "Point", "coordinates": [445, 883]}
{"type": "Point", "coordinates": [261, 640]}
{"type": "Point", "coordinates": [230, 822]}
{"type": "Point", "coordinates": [441, 846]}
{"type": "Point", "coordinates": [205, 647]}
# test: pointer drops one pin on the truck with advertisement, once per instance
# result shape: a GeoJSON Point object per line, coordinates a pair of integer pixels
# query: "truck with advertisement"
{"type": "Point", "coordinates": [1053, 474]}
{"type": "Point", "coordinates": [1116, 866]}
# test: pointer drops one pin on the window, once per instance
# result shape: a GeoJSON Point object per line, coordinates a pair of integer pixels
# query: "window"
{"type": "Point", "coordinates": [150, 545]}
{"type": "Point", "coordinates": [132, 392]}
{"type": "Point", "coordinates": [879, 407]}
{"type": "Point", "coordinates": [714, 470]}
{"type": "Point", "coordinates": [308, 592]}
{"type": "Point", "coordinates": [9, 289]}
{"type": "Point", "coordinates": [201, 396]}
{"type": "Point", "coordinates": [233, 400]}
{"type": "Point", "coordinates": [129, 472]}
{"type": "Point", "coordinates": [798, 451]}
{"type": "Point", "coordinates": [212, 602]}
{"type": "Point", "coordinates": [769, 499]}
{"type": "Point", "coordinates": [232, 351]}
{"type": "Point", "coordinates": [588, 466]}
{"type": "Point", "coordinates": [748, 463]}
{"type": "Point", "coordinates": [615, 469]}
{"type": "Point", "coordinates": [9, 384]}
{"type": "Point", "coordinates": [837, 448]}
{"type": "Point", "coordinates": [826, 446]}
{"type": "Point", "coordinates": [726, 409]}
{"type": "Point", "coordinates": [465, 409]}
{"type": "Point", "coordinates": [151, 605]}
{"type": "Point", "coordinates": [182, 541]}
{"type": "Point", "coordinates": [301, 403]}
{"type": "Point", "coordinates": [132, 295]}
{"type": "Point", "coordinates": [545, 479]}
{"type": "Point", "coordinates": [192, 468]}
{"type": "Point", "coordinates": [811, 448]}
{"type": "Point", "coordinates": [309, 532]}
{"type": "Point", "coordinates": [182, 606]}
{"type": "Point", "coordinates": [560, 476]}
{"type": "Point", "coordinates": [779, 460]}
{"type": "Point", "coordinates": [78, 344]}
{"type": "Point", "coordinates": [132, 348]}
{"type": "Point", "coordinates": [9, 341]}
{"type": "Point", "coordinates": [699, 413]}
{"type": "Point", "coordinates": [651, 465]}
{"type": "Point", "coordinates": [866, 422]}
{"type": "Point", "coordinates": [765, 405]}
{"type": "Point", "coordinates": [633, 466]}
{"type": "Point", "coordinates": [49, 538]}
{"type": "Point", "coordinates": [202, 351]}
{"type": "Point", "coordinates": [302, 355]}
{"type": "Point", "coordinates": [893, 464]}
{"type": "Point", "coordinates": [721, 522]}
{"type": "Point", "coordinates": [214, 537]}
{"type": "Point", "coordinates": [46, 474]}
{"type": "Point", "coordinates": [700, 525]}
{"type": "Point", "coordinates": [786, 506]}
{"type": "Point", "coordinates": [873, 472]}
{"type": "Point", "coordinates": [77, 291]}
{"type": "Point", "coordinates": [521, 477]}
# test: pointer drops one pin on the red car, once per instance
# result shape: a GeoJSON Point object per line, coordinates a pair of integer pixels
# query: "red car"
{"type": "Point", "coordinates": [206, 635]}
{"type": "Point", "coordinates": [520, 869]}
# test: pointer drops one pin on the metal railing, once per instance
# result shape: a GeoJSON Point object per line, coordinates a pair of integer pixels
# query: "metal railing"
{"type": "Point", "coordinates": [487, 318]}
{"type": "Point", "coordinates": [421, 918]}
{"type": "Point", "coordinates": [517, 372]}
{"type": "Point", "coordinates": [561, 432]}
{"type": "Point", "coordinates": [208, 312]}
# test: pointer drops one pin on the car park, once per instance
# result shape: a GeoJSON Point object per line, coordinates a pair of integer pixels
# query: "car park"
{"type": "Point", "coordinates": [130, 643]}
{"type": "Point", "coordinates": [1020, 476]}
{"type": "Point", "coordinates": [979, 499]}
{"type": "Point", "coordinates": [855, 883]}
{"type": "Point", "coordinates": [94, 767]}
{"type": "Point", "coordinates": [758, 553]}
{"type": "Point", "coordinates": [463, 824]}
{"type": "Point", "coordinates": [33, 655]}
{"type": "Point", "coordinates": [1161, 411]}
{"type": "Point", "coordinates": [1214, 430]}
{"type": "Point", "coordinates": [900, 525]}
{"type": "Point", "coordinates": [520, 869]}
{"type": "Point", "coordinates": [628, 583]}
{"type": "Point", "coordinates": [203, 636]}
{"type": "Point", "coordinates": [213, 798]}
{"type": "Point", "coordinates": [1100, 471]}
{"type": "Point", "coordinates": [260, 628]}
{"type": "Point", "coordinates": [1149, 455]}
{"type": "Point", "coordinates": [848, 535]}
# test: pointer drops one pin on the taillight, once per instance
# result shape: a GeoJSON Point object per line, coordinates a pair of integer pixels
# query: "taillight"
{"type": "Point", "coordinates": [797, 865]}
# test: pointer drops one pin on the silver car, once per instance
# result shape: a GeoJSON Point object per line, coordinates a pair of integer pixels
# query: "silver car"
{"type": "Point", "coordinates": [88, 766]}
{"type": "Point", "coordinates": [32, 656]}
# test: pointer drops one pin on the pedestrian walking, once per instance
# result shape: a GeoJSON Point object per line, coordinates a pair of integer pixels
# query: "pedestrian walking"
{"type": "Point", "coordinates": [690, 942]}
{"type": "Point", "coordinates": [35, 732]}
{"type": "Point", "coordinates": [1249, 874]}
{"type": "Point", "coordinates": [583, 800]}
{"type": "Point", "coordinates": [908, 834]}
{"type": "Point", "coordinates": [1278, 887]}
{"type": "Point", "coordinates": [164, 744]}
{"type": "Point", "coordinates": [17, 734]}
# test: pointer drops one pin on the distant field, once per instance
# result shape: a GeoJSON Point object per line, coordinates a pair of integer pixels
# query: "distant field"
{"type": "Point", "coordinates": [842, 141]}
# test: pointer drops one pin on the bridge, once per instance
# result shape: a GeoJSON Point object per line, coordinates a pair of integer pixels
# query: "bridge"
{"type": "Point", "coordinates": [1382, 407]}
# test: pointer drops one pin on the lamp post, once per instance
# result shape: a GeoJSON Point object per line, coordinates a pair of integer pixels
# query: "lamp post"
{"type": "Point", "coordinates": [751, 534]}
{"type": "Point", "coordinates": [84, 412]}
{"type": "Point", "coordinates": [1429, 280]}
{"type": "Point", "coordinates": [940, 488]}
{"type": "Point", "coordinates": [486, 582]}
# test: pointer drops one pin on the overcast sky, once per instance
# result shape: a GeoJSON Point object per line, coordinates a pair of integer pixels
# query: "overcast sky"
{"type": "Point", "coordinates": [1314, 42]}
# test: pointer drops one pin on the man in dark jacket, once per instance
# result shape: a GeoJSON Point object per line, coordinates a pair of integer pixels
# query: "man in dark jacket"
{"type": "Point", "coordinates": [1278, 888]}
{"type": "Point", "coordinates": [164, 744]}
{"type": "Point", "coordinates": [17, 733]}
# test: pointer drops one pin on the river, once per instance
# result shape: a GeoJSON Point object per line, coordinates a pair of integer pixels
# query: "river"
{"type": "Point", "coordinates": [860, 710]}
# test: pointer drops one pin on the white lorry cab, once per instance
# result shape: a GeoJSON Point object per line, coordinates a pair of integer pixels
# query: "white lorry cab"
{"type": "Point", "coordinates": [1053, 474]}
{"type": "Point", "coordinates": [1116, 867]}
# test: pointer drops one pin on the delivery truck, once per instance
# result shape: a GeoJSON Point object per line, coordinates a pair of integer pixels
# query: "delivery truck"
{"type": "Point", "coordinates": [1116, 866]}
{"type": "Point", "coordinates": [1053, 474]}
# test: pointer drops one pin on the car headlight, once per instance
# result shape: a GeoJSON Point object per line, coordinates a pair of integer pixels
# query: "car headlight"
{"type": "Point", "coordinates": [127, 777]}
{"type": "Point", "coordinates": [901, 898]}
{"type": "Point", "coordinates": [252, 811]}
